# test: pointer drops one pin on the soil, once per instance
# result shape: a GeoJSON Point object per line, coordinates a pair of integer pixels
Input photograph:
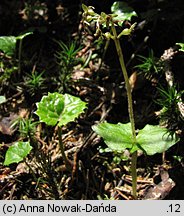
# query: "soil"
{"type": "Point", "coordinates": [94, 175]}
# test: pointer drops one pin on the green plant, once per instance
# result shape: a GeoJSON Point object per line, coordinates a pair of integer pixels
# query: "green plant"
{"type": "Point", "coordinates": [118, 137]}
{"type": "Point", "coordinates": [150, 65]}
{"type": "Point", "coordinates": [168, 99]}
{"type": "Point", "coordinates": [66, 58]}
{"type": "Point", "coordinates": [181, 45]}
{"type": "Point", "coordinates": [57, 109]}
{"type": "Point", "coordinates": [8, 46]}
{"type": "Point", "coordinates": [34, 82]}
{"type": "Point", "coordinates": [27, 130]}
{"type": "Point", "coordinates": [122, 12]}
{"type": "Point", "coordinates": [20, 38]}
{"type": "Point", "coordinates": [17, 152]}
{"type": "Point", "coordinates": [26, 127]}
{"type": "Point", "coordinates": [8, 67]}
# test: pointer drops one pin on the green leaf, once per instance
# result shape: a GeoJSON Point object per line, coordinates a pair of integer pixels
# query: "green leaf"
{"type": "Point", "coordinates": [2, 99]}
{"type": "Point", "coordinates": [59, 109]}
{"type": "Point", "coordinates": [73, 107]}
{"type": "Point", "coordinates": [50, 108]}
{"type": "Point", "coordinates": [123, 11]}
{"type": "Point", "coordinates": [155, 139]}
{"type": "Point", "coordinates": [117, 137]}
{"type": "Point", "coordinates": [151, 139]}
{"type": "Point", "coordinates": [17, 152]}
{"type": "Point", "coordinates": [8, 44]}
{"type": "Point", "coordinates": [182, 46]}
{"type": "Point", "coordinates": [20, 37]}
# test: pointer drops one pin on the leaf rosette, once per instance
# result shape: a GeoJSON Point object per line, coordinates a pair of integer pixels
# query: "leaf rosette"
{"type": "Point", "coordinates": [151, 139]}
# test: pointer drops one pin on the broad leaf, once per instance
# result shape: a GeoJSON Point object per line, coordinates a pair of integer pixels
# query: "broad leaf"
{"type": "Point", "coordinates": [155, 139]}
{"type": "Point", "coordinates": [2, 99]}
{"type": "Point", "coordinates": [151, 139]}
{"type": "Point", "coordinates": [8, 44]}
{"type": "Point", "coordinates": [73, 107]}
{"type": "Point", "coordinates": [117, 137]}
{"type": "Point", "coordinates": [50, 108]}
{"type": "Point", "coordinates": [123, 11]}
{"type": "Point", "coordinates": [17, 152]}
{"type": "Point", "coordinates": [59, 109]}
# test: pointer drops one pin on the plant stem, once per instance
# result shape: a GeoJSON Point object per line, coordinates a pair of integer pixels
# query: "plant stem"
{"type": "Point", "coordinates": [130, 108]}
{"type": "Point", "coordinates": [20, 53]}
{"type": "Point", "coordinates": [66, 160]}
{"type": "Point", "coordinates": [134, 174]}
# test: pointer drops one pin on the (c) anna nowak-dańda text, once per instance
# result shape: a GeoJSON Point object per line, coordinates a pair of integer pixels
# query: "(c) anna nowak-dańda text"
{"type": "Point", "coordinates": [67, 208]}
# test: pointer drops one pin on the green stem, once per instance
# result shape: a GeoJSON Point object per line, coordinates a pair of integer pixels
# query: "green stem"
{"type": "Point", "coordinates": [20, 53]}
{"type": "Point", "coordinates": [66, 161]}
{"type": "Point", "coordinates": [130, 108]}
{"type": "Point", "coordinates": [134, 174]}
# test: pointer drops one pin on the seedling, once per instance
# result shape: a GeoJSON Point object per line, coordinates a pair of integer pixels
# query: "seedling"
{"type": "Point", "coordinates": [66, 59]}
{"type": "Point", "coordinates": [149, 66]}
{"type": "Point", "coordinates": [118, 137]}
{"type": "Point", "coordinates": [53, 109]}
{"type": "Point", "coordinates": [26, 127]}
{"type": "Point", "coordinates": [57, 110]}
{"type": "Point", "coordinates": [169, 99]}
{"type": "Point", "coordinates": [8, 46]}
{"type": "Point", "coordinates": [34, 82]}
{"type": "Point", "coordinates": [19, 150]}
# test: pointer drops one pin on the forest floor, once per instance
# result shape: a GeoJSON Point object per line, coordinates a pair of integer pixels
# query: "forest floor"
{"type": "Point", "coordinates": [97, 80]}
